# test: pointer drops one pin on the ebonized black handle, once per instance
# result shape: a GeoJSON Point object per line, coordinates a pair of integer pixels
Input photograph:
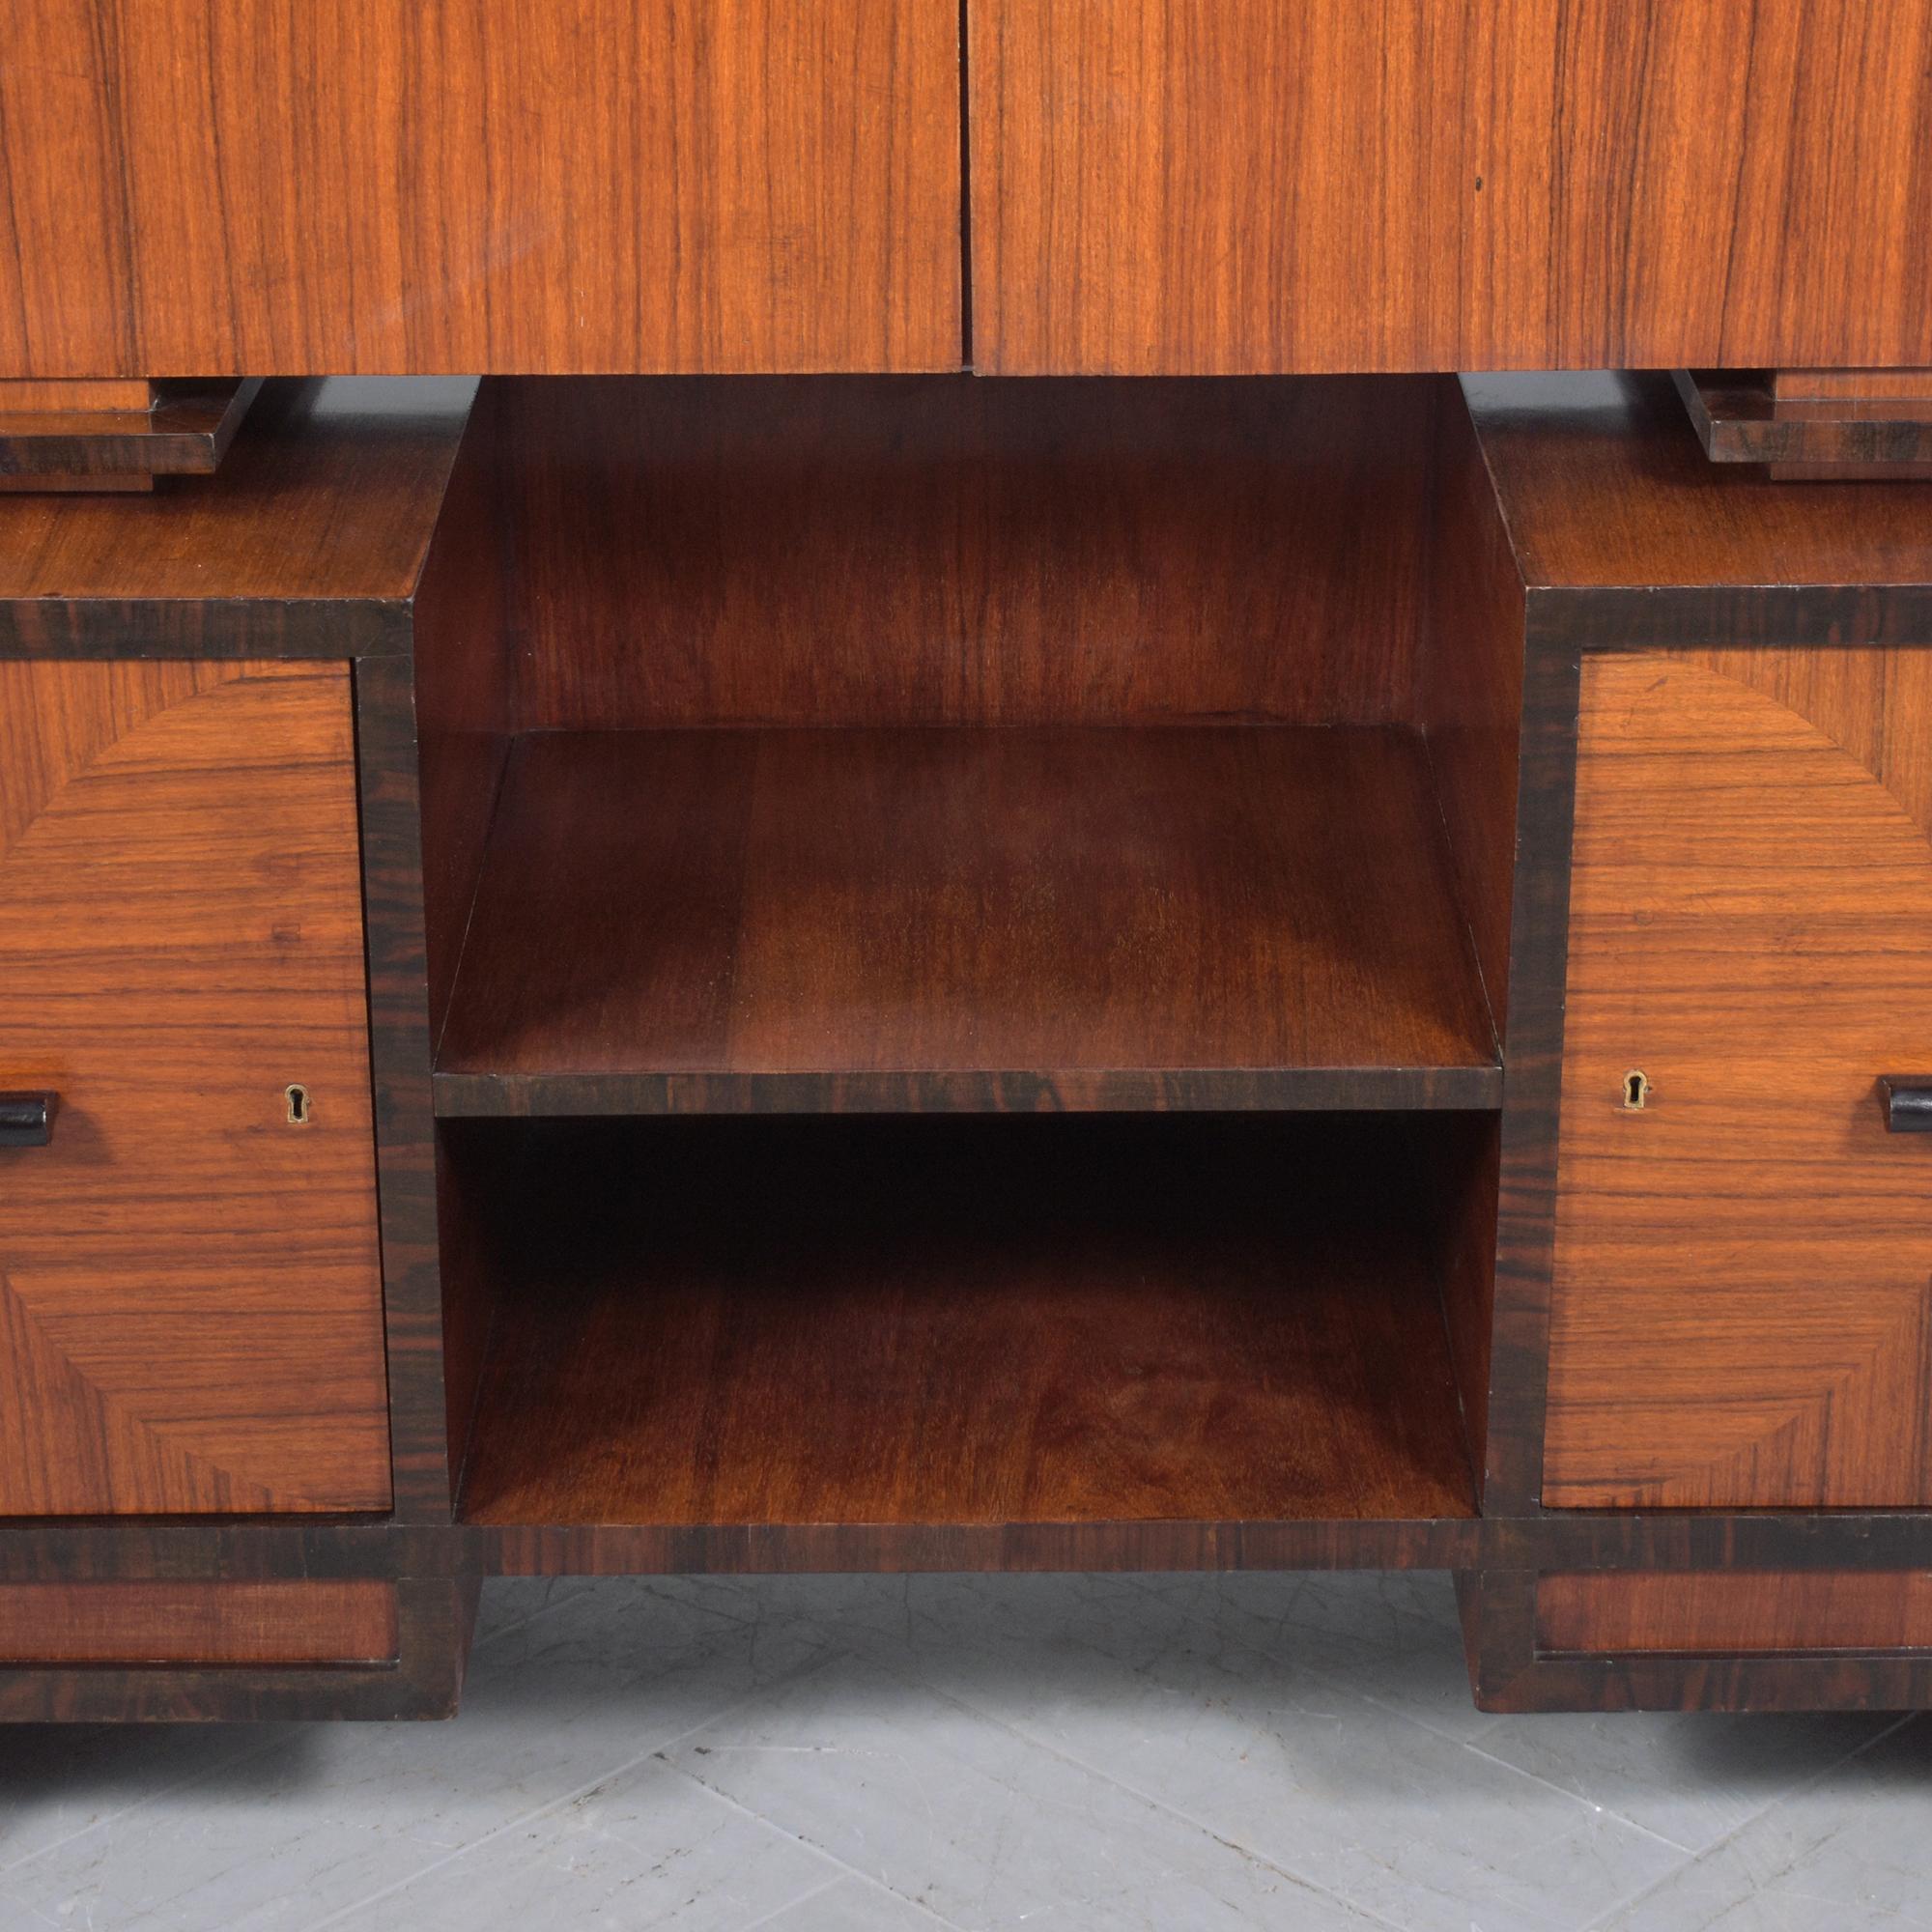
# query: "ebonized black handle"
{"type": "Point", "coordinates": [1908, 1103]}
{"type": "Point", "coordinates": [27, 1119]}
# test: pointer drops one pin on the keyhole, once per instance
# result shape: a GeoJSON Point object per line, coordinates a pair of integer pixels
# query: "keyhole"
{"type": "Point", "coordinates": [1636, 1092]}
{"type": "Point", "coordinates": [299, 1115]}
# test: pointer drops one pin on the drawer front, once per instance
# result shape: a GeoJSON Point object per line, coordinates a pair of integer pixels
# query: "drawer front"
{"type": "Point", "coordinates": [191, 1295]}
{"type": "Point", "coordinates": [1732, 1613]}
{"type": "Point", "coordinates": [191, 1622]}
{"type": "Point", "coordinates": [471, 186]}
{"type": "Point", "coordinates": [1232, 187]}
{"type": "Point", "coordinates": [1743, 1260]}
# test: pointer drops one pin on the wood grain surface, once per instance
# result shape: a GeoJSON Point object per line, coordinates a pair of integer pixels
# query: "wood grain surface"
{"type": "Point", "coordinates": [1743, 1268]}
{"type": "Point", "coordinates": [197, 1623]}
{"type": "Point", "coordinates": [1728, 1611]}
{"type": "Point", "coordinates": [1604, 488]}
{"type": "Point", "coordinates": [310, 538]}
{"type": "Point", "coordinates": [1470, 704]}
{"type": "Point", "coordinates": [1856, 387]}
{"type": "Point", "coordinates": [190, 1299]}
{"type": "Point", "coordinates": [1235, 186]}
{"type": "Point", "coordinates": [896, 1322]}
{"type": "Point", "coordinates": [953, 551]}
{"type": "Point", "coordinates": [1510, 1671]}
{"type": "Point", "coordinates": [419, 1676]}
{"type": "Point", "coordinates": [1196, 917]}
{"type": "Point", "coordinates": [1747, 419]}
{"type": "Point", "coordinates": [456, 186]}
{"type": "Point", "coordinates": [116, 394]}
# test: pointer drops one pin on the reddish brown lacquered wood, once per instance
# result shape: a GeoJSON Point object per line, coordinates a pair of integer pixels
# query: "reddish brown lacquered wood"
{"type": "Point", "coordinates": [1732, 1611]}
{"type": "Point", "coordinates": [184, 432]}
{"type": "Point", "coordinates": [1604, 488]}
{"type": "Point", "coordinates": [193, 1623]}
{"type": "Point", "coordinates": [1744, 1267]}
{"type": "Point", "coordinates": [1471, 710]}
{"type": "Point", "coordinates": [953, 551]}
{"type": "Point", "coordinates": [310, 539]}
{"type": "Point", "coordinates": [1241, 185]}
{"type": "Point", "coordinates": [190, 1301]}
{"type": "Point", "coordinates": [282, 186]}
{"type": "Point", "coordinates": [903, 1322]}
{"type": "Point", "coordinates": [1853, 385]}
{"type": "Point", "coordinates": [129, 393]}
{"type": "Point", "coordinates": [1188, 917]}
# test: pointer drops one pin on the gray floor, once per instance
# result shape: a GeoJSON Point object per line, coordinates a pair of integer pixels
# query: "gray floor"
{"type": "Point", "coordinates": [881, 1754]}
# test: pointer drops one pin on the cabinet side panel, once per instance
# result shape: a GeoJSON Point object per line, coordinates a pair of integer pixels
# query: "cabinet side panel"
{"type": "Point", "coordinates": [1744, 1253]}
{"type": "Point", "coordinates": [191, 1297]}
{"type": "Point", "coordinates": [1470, 705]}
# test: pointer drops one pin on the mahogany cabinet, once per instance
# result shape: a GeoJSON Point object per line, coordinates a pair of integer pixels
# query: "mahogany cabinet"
{"type": "Point", "coordinates": [1715, 1254]}
{"type": "Point", "coordinates": [881, 973]}
{"type": "Point", "coordinates": [652, 922]}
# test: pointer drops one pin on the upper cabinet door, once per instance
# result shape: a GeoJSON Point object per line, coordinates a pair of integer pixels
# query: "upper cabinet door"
{"type": "Point", "coordinates": [205, 187]}
{"type": "Point", "coordinates": [1740, 1313]}
{"type": "Point", "coordinates": [191, 1295]}
{"type": "Point", "coordinates": [1235, 186]}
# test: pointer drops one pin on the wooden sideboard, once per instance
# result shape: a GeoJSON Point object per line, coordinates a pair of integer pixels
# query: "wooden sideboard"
{"type": "Point", "coordinates": [652, 922]}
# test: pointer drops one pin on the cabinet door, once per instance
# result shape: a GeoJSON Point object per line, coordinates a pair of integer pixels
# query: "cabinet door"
{"type": "Point", "coordinates": [1237, 187]}
{"type": "Point", "coordinates": [1744, 1262]}
{"type": "Point", "coordinates": [190, 1299]}
{"type": "Point", "coordinates": [204, 187]}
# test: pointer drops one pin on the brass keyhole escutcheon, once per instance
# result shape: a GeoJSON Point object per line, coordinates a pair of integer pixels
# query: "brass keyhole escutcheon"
{"type": "Point", "coordinates": [301, 1111]}
{"type": "Point", "coordinates": [1637, 1092]}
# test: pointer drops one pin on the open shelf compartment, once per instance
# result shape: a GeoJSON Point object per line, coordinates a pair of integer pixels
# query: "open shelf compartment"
{"type": "Point", "coordinates": [1206, 916]}
{"type": "Point", "coordinates": [962, 923]}
{"type": "Point", "coordinates": [899, 1323]}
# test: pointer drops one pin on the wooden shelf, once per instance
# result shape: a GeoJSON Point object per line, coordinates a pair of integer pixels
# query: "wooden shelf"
{"type": "Point", "coordinates": [1173, 917]}
{"type": "Point", "coordinates": [886, 1324]}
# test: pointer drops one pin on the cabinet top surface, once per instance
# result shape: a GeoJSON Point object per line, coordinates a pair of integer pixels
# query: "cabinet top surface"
{"type": "Point", "coordinates": [1604, 486]}
{"type": "Point", "coordinates": [330, 493]}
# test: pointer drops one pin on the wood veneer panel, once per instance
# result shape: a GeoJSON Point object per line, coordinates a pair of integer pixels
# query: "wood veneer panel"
{"type": "Point", "coordinates": [131, 393]}
{"type": "Point", "coordinates": [903, 1322]}
{"type": "Point", "coordinates": [955, 551]}
{"type": "Point", "coordinates": [1851, 386]}
{"type": "Point", "coordinates": [419, 1676]}
{"type": "Point", "coordinates": [463, 643]}
{"type": "Point", "coordinates": [1235, 186]}
{"type": "Point", "coordinates": [312, 536]}
{"type": "Point", "coordinates": [460, 185]}
{"type": "Point", "coordinates": [1604, 488]}
{"type": "Point", "coordinates": [1186, 916]}
{"type": "Point", "coordinates": [1735, 1610]}
{"type": "Point", "coordinates": [1743, 1271]}
{"type": "Point", "coordinates": [193, 1623]}
{"type": "Point", "coordinates": [1512, 1670]}
{"type": "Point", "coordinates": [191, 1297]}
{"type": "Point", "coordinates": [1470, 704]}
